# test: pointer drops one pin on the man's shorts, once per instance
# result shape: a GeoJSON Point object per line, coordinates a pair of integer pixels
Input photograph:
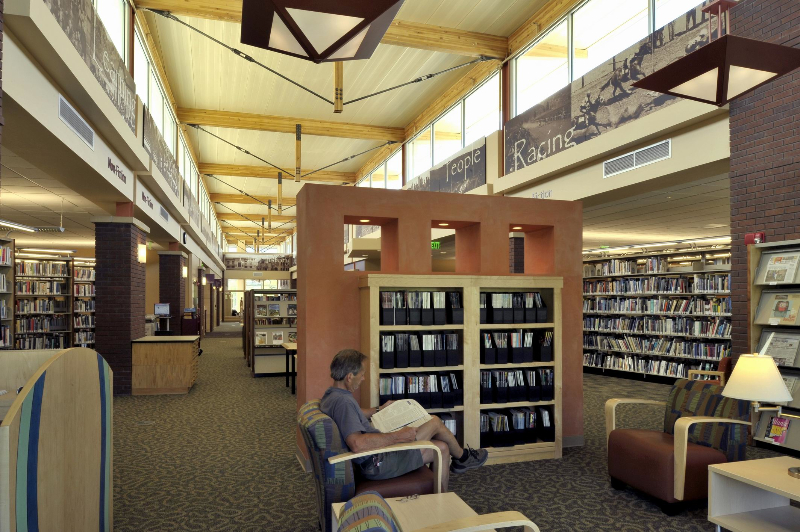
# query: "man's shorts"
{"type": "Point", "coordinates": [390, 465]}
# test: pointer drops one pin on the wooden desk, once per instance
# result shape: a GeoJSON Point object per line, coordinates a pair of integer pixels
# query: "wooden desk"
{"type": "Point", "coordinates": [754, 495]}
{"type": "Point", "coordinates": [164, 364]}
{"type": "Point", "coordinates": [425, 510]}
{"type": "Point", "coordinates": [291, 353]}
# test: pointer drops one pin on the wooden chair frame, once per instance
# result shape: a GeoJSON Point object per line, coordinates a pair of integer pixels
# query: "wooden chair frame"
{"type": "Point", "coordinates": [681, 436]}
{"type": "Point", "coordinates": [484, 522]}
{"type": "Point", "coordinates": [719, 374]}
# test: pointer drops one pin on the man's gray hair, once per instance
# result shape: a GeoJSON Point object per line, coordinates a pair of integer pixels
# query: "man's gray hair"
{"type": "Point", "coordinates": [345, 362]}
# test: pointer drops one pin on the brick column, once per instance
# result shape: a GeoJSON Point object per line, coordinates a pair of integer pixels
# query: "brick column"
{"type": "Point", "coordinates": [120, 293]}
{"type": "Point", "coordinates": [201, 314]}
{"type": "Point", "coordinates": [516, 254]}
{"type": "Point", "coordinates": [765, 152]}
{"type": "Point", "coordinates": [171, 286]}
{"type": "Point", "coordinates": [219, 301]}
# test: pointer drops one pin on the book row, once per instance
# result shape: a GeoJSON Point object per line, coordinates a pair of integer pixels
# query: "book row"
{"type": "Point", "coordinates": [503, 347]}
{"type": "Point", "coordinates": [52, 341]}
{"type": "Point", "coordinates": [517, 426]}
{"type": "Point", "coordinates": [43, 269]}
{"type": "Point", "coordinates": [430, 390]}
{"type": "Point", "coordinates": [41, 324]}
{"type": "Point", "coordinates": [660, 305]}
{"type": "Point", "coordinates": [713, 327]}
{"type": "Point", "coordinates": [5, 256]}
{"type": "Point", "coordinates": [3, 283]}
{"type": "Point", "coordinates": [626, 267]}
{"type": "Point", "coordinates": [698, 284]}
{"type": "Point", "coordinates": [84, 337]}
{"type": "Point", "coordinates": [84, 305]}
{"type": "Point", "coordinates": [41, 288]}
{"type": "Point", "coordinates": [5, 336]}
{"type": "Point", "coordinates": [84, 320]}
{"type": "Point", "coordinates": [511, 386]}
{"type": "Point", "coordinates": [638, 364]}
{"type": "Point", "coordinates": [284, 322]}
{"type": "Point", "coordinates": [40, 306]}
{"type": "Point", "coordinates": [411, 350]}
{"type": "Point", "coordinates": [273, 310]}
{"type": "Point", "coordinates": [84, 290]}
{"type": "Point", "coordinates": [274, 297]}
{"type": "Point", "coordinates": [84, 274]}
{"type": "Point", "coordinates": [275, 338]}
{"type": "Point", "coordinates": [519, 307]}
{"type": "Point", "coordinates": [658, 346]}
{"type": "Point", "coordinates": [421, 308]}
{"type": "Point", "coordinates": [4, 309]}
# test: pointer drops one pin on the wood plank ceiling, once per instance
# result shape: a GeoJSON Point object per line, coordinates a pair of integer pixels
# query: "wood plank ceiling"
{"type": "Point", "coordinates": [213, 87]}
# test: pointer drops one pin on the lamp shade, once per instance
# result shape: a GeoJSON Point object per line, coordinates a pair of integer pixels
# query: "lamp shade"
{"type": "Point", "coordinates": [756, 378]}
{"type": "Point", "coordinates": [318, 30]}
{"type": "Point", "coordinates": [722, 70]}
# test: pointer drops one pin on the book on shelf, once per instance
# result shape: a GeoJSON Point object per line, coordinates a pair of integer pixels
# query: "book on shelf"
{"type": "Point", "coordinates": [777, 427]}
{"type": "Point", "coordinates": [400, 414]}
{"type": "Point", "coordinates": [431, 390]}
{"type": "Point", "coordinates": [42, 269]}
{"type": "Point", "coordinates": [6, 254]}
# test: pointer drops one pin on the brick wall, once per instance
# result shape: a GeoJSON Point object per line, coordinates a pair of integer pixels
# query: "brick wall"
{"type": "Point", "coordinates": [765, 150]}
{"type": "Point", "coordinates": [119, 299]}
{"type": "Point", "coordinates": [516, 254]}
{"type": "Point", "coordinates": [172, 288]}
{"type": "Point", "coordinates": [2, 119]}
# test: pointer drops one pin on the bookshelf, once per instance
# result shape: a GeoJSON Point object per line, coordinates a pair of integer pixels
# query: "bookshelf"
{"type": "Point", "coordinates": [657, 314]}
{"type": "Point", "coordinates": [270, 320]}
{"type": "Point", "coordinates": [469, 358]}
{"type": "Point", "coordinates": [43, 303]}
{"type": "Point", "coordinates": [83, 307]}
{"type": "Point", "coordinates": [767, 284]}
{"type": "Point", "coordinates": [6, 293]}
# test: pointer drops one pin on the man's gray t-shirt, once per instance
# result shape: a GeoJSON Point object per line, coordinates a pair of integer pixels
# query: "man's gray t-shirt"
{"type": "Point", "coordinates": [345, 411]}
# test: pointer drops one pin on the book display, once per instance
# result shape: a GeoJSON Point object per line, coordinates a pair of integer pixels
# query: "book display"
{"type": "Point", "coordinates": [658, 314]}
{"type": "Point", "coordinates": [270, 321]}
{"type": "Point", "coordinates": [6, 293]}
{"type": "Point", "coordinates": [774, 279]}
{"type": "Point", "coordinates": [43, 303]}
{"type": "Point", "coordinates": [83, 311]}
{"type": "Point", "coordinates": [483, 353]}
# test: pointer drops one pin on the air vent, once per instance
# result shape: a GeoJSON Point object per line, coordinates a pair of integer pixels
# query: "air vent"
{"type": "Point", "coordinates": [637, 159]}
{"type": "Point", "coordinates": [73, 120]}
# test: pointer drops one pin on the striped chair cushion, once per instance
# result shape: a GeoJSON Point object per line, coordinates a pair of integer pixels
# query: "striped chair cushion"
{"type": "Point", "coordinates": [699, 398]}
{"type": "Point", "coordinates": [368, 512]}
{"type": "Point", "coordinates": [334, 483]}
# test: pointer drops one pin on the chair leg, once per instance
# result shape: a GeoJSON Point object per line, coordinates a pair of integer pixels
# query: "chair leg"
{"type": "Point", "coordinates": [617, 484]}
{"type": "Point", "coordinates": [670, 509]}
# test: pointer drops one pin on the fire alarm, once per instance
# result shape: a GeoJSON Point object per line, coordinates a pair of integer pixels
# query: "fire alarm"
{"type": "Point", "coordinates": [754, 238]}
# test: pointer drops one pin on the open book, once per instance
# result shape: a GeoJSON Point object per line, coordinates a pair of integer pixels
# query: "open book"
{"type": "Point", "coordinates": [402, 413]}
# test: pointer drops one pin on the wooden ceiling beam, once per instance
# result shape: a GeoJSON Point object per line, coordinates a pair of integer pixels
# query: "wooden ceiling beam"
{"type": "Point", "coordinates": [283, 124]}
{"type": "Point", "coordinates": [400, 33]}
{"type": "Point", "coordinates": [246, 200]}
{"type": "Point", "coordinates": [250, 217]}
{"type": "Point", "coordinates": [268, 172]}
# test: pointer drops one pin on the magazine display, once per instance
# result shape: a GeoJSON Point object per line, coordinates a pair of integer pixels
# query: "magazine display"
{"type": "Point", "coordinates": [777, 429]}
{"type": "Point", "coordinates": [778, 308]}
{"type": "Point", "coordinates": [781, 346]}
{"type": "Point", "coordinates": [778, 268]}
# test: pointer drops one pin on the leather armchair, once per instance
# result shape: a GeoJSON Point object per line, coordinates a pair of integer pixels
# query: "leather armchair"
{"type": "Point", "coordinates": [336, 480]}
{"type": "Point", "coordinates": [701, 427]}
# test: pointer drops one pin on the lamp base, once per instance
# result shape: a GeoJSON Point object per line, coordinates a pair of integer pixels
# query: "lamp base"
{"type": "Point", "coordinates": [794, 472]}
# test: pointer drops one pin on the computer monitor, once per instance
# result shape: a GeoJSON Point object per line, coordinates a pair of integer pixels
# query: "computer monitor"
{"type": "Point", "coordinates": [161, 309]}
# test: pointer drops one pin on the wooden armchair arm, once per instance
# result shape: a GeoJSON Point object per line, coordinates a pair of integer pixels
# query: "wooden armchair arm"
{"type": "Point", "coordinates": [420, 445]}
{"type": "Point", "coordinates": [720, 374]}
{"type": "Point", "coordinates": [611, 410]}
{"type": "Point", "coordinates": [484, 522]}
{"type": "Point", "coordinates": [681, 443]}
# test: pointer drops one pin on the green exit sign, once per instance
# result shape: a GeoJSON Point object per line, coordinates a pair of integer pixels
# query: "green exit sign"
{"type": "Point", "coordinates": [434, 245]}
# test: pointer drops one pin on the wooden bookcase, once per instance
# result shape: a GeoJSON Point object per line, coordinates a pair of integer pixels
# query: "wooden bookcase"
{"type": "Point", "coordinates": [7, 294]}
{"type": "Point", "coordinates": [36, 304]}
{"type": "Point", "coordinates": [83, 310]}
{"type": "Point", "coordinates": [470, 286]}
{"type": "Point", "coordinates": [266, 356]}
{"type": "Point", "coordinates": [618, 313]}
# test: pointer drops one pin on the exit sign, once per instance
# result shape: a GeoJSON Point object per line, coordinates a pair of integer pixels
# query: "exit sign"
{"type": "Point", "coordinates": [434, 245]}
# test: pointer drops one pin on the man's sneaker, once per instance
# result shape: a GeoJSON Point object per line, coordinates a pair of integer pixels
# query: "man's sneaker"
{"type": "Point", "coordinates": [476, 458]}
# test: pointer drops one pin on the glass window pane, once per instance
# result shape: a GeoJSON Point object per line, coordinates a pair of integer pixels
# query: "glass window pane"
{"type": "Point", "coordinates": [253, 284]}
{"type": "Point", "coordinates": [235, 284]}
{"type": "Point", "coordinates": [364, 182]}
{"type": "Point", "coordinates": [140, 70]}
{"type": "Point", "coordinates": [482, 111]}
{"type": "Point", "coordinates": [112, 14]}
{"type": "Point", "coordinates": [420, 153]}
{"type": "Point", "coordinates": [379, 177]}
{"type": "Point", "coordinates": [169, 131]}
{"type": "Point", "coordinates": [394, 171]}
{"type": "Point", "coordinates": [543, 69]}
{"type": "Point", "coordinates": [670, 10]}
{"type": "Point", "coordinates": [447, 135]}
{"type": "Point", "coordinates": [603, 28]}
{"type": "Point", "coordinates": [156, 107]}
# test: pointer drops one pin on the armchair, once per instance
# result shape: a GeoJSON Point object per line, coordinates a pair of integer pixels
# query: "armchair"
{"type": "Point", "coordinates": [369, 512]}
{"type": "Point", "coordinates": [701, 427]}
{"type": "Point", "coordinates": [336, 480]}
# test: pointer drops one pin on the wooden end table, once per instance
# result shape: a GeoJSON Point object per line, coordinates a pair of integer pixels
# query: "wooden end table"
{"type": "Point", "coordinates": [754, 495]}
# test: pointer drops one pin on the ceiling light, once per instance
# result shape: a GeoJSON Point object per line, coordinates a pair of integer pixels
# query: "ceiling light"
{"type": "Point", "coordinates": [14, 225]}
{"type": "Point", "coordinates": [723, 70]}
{"type": "Point", "coordinates": [69, 251]}
{"type": "Point", "coordinates": [363, 221]}
{"type": "Point", "coordinates": [184, 272]}
{"type": "Point", "coordinates": [205, 281]}
{"type": "Point", "coordinates": [443, 252]}
{"type": "Point", "coordinates": [517, 228]}
{"type": "Point", "coordinates": [142, 253]}
{"type": "Point", "coordinates": [84, 258]}
{"type": "Point", "coordinates": [317, 30]}
{"type": "Point", "coordinates": [37, 256]}
{"type": "Point", "coordinates": [443, 225]}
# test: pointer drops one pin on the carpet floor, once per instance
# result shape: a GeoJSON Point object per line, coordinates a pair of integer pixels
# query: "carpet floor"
{"type": "Point", "coordinates": [222, 458]}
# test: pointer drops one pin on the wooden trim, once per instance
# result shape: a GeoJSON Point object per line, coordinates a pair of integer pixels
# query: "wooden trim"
{"type": "Point", "coordinates": [232, 217]}
{"type": "Point", "coordinates": [611, 410]}
{"type": "Point", "coordinates": [484, 522]}
{"type": "Point", "coordinates": [682, 442]}
{"type": "Point", "coordinates": [720, 374]}
{"type": "Point", "coordinates": [241, 198]}
{"type": "Point", "coordinates": [268, 172]}
{"type": "Point", "coordinates": [282, 124]}
{"type": "Point", "coordinates": [539, 23]}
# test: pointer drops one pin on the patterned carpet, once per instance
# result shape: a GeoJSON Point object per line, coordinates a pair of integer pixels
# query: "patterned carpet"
{"type": "Point", "coordinates": [222, 459]}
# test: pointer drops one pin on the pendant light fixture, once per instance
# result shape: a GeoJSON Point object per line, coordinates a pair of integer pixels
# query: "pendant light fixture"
{"type": "Point", "coordinates": [318, 30]}
{"type": "Point", "coordinates": [725, 68]}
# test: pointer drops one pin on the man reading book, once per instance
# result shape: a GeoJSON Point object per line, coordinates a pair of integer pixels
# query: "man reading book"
{"type": "Point", "coordinates": [347, 372]}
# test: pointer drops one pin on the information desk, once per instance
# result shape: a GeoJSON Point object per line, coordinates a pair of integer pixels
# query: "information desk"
{"type": "Point", "coordinates": [164, 364]}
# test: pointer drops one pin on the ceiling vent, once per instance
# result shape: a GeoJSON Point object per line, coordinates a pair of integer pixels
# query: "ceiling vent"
{"type": "Point", "coordinates": [73, 120]}
{"type": "Point", "coordinates": [637, 159]}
